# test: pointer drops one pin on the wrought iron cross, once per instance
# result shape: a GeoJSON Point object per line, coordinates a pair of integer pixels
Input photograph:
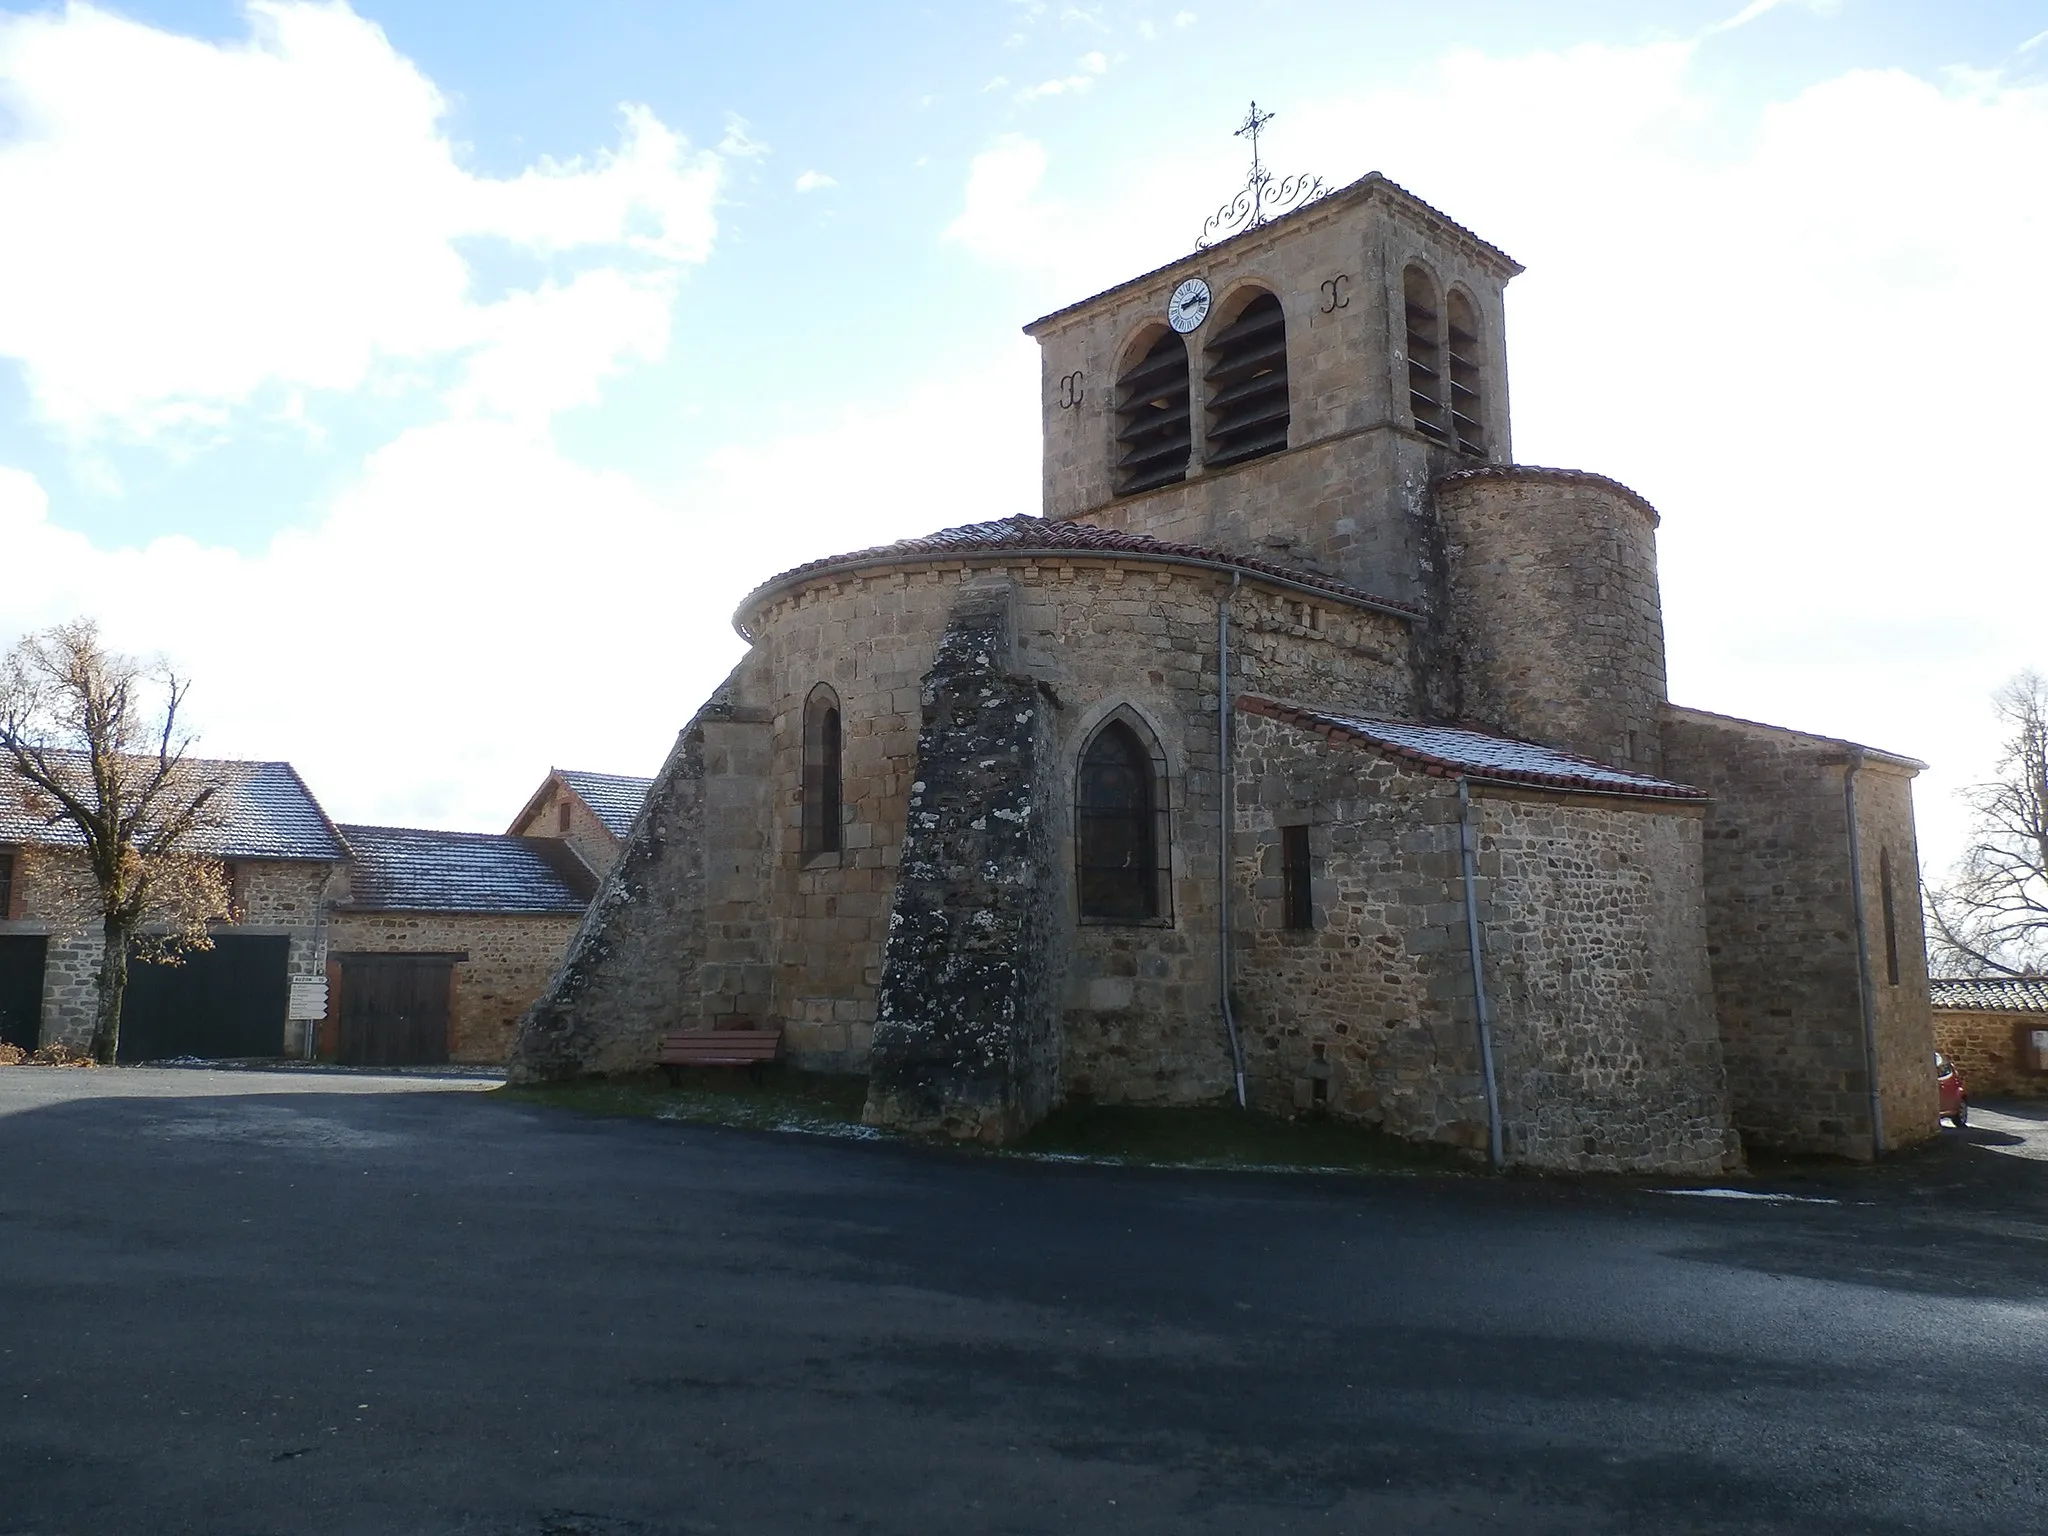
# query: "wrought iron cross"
{"type": "Point", "coordinates": [1262, 196]}
{"type": "Point", "coordinates": [1254, 120]}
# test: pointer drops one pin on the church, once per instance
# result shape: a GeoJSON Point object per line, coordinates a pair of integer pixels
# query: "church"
{"type": "Point", "coordinates": [1308, 753]}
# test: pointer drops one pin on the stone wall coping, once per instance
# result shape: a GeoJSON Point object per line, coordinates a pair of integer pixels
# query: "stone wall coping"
{"type": "Point", "coordinates": [1369, 187]}
{"type": "Point", "coordinates": [1876, 756]}
{"type": "Point", "coordinates": [1015, 540]}
{"type": "Point", "coordinates": [1537, 474]}
{"type": "Point", "coordinates": [1456, 752]}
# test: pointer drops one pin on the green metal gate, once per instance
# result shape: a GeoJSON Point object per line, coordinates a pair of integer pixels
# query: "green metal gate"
{"type": "Point", "coordinates": [227, 1001]}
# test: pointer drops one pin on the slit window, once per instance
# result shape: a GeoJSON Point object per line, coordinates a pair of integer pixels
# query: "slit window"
{"type": "Point", "coordinates": [6, 884]}
{"type": "Point", "coordinates": [1463, 357]}
{"type": "Point", "coordinates": [562, 817]}
{"type": "Point", "coordinates": [1116, 830]}
{"type": "Point", "coordinates": [1298, 904]}
{"type": "Point", "coordinates": [1154, 435]}
{"type": "Point", "coordinates": [1427, 387]}
{"type": "Point", "coordinates": [1246, 382]}
{"type": "Point", "coordinates": [1891, 916]}
{"type": "Point", "coordinates": [823, 785]}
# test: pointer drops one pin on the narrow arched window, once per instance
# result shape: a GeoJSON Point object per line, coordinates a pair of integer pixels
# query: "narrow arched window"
{"type": "Point", "coordinates": [1116, 828]}
{"type": "Point", "coordinates": [1463, 355]}
{"type": "Point", "coordinates": [1426, 383]}
{"type": "Point", "coordinates": [1246, 382]}
{"type": "Point", "coordinates": [1153, 434]}
{"type": "Point", "coordinates": [824, 781]}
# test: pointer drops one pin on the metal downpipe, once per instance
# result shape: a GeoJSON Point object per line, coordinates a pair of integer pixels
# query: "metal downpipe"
{"type": "Point", "coordinates": [1866, 990]}
{"type": "Point", "coordinates": [1226, 780]}
{"type": "Point", "coordinates": [1468, 858]}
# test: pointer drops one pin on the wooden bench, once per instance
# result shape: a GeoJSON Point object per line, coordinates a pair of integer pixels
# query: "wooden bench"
{"type": "Point", "coordinates": [749, 1048]}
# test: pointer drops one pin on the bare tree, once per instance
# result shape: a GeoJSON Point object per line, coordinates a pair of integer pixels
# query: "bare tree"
{"type": "Point", "coordinates": [93, 739]}
{"type": "Point", "coordinates": [1991, 919]}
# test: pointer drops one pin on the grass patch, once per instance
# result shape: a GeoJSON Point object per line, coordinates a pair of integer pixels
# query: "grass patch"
{"type": "Point", "coordinates": [1225, 1137]}
{"type": "Point", "coordinates": [1198, 1137]}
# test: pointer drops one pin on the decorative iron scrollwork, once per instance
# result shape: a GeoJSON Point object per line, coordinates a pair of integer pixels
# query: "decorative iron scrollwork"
{"type": "Point", "coordinates": [1263, 196]}
{"type": "Point", "coordinates": [1071, 392]}
{"type": "Point", "coordinates": [1334, 296]}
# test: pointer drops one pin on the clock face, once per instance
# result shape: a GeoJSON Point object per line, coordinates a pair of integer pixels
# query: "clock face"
{"type": "Point", "coordinates": [1189, 306]}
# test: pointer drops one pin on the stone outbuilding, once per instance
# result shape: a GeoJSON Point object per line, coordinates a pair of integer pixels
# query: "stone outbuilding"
{"type": "Point", "coordinates": [1995, 1029]}
{"type": "Point", "coordinates": [591, 812]}
{"type": "Point", "coordinates": [1306, 753]}
{"type": "Point", "coordinates": [438, 941]}
{"type": "Point", "coordinates": [256, 993]}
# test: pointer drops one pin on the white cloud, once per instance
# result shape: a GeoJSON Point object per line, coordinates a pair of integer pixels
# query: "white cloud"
{"type": "Point", "coordinates": [166, 262]}
{"type": "Point", "coordinates": [1002, 215]}
{"type": "Point", "coordinates": [1757, 9]}
{"type": "Point", "coordinates": [739, 144]}
{"type": "Point", "coordinates": [1089, 68]}
{"type": "Point", "coordinates": [814, 181]}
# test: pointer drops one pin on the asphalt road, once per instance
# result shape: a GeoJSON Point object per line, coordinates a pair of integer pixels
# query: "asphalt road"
{"type": "Point", "coordinates": [266, 1302]}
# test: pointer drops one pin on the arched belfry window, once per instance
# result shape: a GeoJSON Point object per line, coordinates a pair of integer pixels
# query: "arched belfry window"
{"type": "Point", "coordinates": [824, 773]}
{"type": "Point", "coordinates": [1426, 382]}
{"type": "Point", "coordinates": [1120, 827]}
{"type": "Point", "coordinates": [1463, 356]}
{"type": "Point", "coordinates": [1246, 381]}
{"type": "Point", "coordinates": [1153, 435]}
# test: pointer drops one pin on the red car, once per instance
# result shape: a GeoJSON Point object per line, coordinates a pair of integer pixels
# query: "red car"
{"type": "Point", "coordinates": [1955, 1099]}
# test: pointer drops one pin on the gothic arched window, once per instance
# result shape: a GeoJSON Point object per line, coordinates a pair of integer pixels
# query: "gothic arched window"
{"type": "Point", "coordinates": [1118, 837]}
{"type": "Point", "coordinates": [1426, 384]}
{"type": "Point", "coordinates": [824, 777]}
{"type": "Point", "coordinates": [1463, 355]}
{"type": "Point", "coordinates": [1153, 433]}
{"type": "Point", "coordinates": [1246, 380]}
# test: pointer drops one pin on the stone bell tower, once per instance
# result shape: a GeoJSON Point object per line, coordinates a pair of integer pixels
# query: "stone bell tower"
{"type": "Point", "coordinates": [1291, 391]}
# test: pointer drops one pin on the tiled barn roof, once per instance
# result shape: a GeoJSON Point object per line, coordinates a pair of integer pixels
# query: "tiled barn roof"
{"type": "Point", "coordinates": [409, 869]}
{"type": "Point", "coordinates": [265, 810]}
{"type": "Point", "coordinates": [1541, 475]}
{"type": "Point", "coordinates": [1024, 536]}
{"type": "Point", "coordinates": [1449, 751]}
{"type": "Point", "coordinates": [1991, 994]}
{"type": "Point", "coordinates": [615, 798]}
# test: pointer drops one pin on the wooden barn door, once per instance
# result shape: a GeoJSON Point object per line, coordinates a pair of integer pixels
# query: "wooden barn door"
{"type": "Point", "coordinates": [21, 990]}
{"type": "Point", "coordinates": [394, 1009]}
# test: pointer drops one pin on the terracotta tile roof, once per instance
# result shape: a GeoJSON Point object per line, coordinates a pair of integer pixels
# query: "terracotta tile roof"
{"type": "Point", "coordinates": [614, 798]}
{"type": "Point", "coordinates": [1370, 185]}
{"type": "Point", "coordinates": [1024, 536]}
{"type": "Point", "coordinates": [1991, 994]}
{"type": "Point", "coordinates": [1449, 751]}
{"type": "Point", "coordinates": [1537, 473]}
{"type": "Point", "coordinates": [265, 810]}
{"type": "Point", "coordinates": [411, 869]}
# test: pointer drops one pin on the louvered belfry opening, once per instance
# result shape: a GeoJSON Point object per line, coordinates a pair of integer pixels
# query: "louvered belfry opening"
{"type": "Point", "coordinates": [1153, 429]}
{"type": "Point", "coordinates": [1246, 380]}
{"type": "Point", "coordinates": [1464, 360]}
{"type": "Point", "coordinates": [1426, 382]}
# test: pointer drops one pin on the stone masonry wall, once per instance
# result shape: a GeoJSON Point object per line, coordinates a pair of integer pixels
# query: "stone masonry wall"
{"type": "Point", "coordinates": [271, 897]}
{"type": "Point", "coordinates": [1554, 612]}
{"type": "Point", "coordinates": [1985, 1049]}
{"type": "Point", "coordinates": [1142, 1019]}
{"type": "Point", "coordinates": [1345, 495]}
{"type": "Point", "coordinates": [965, 1041]}
{"type": "Point", "coordinates": [1781, 927]}
{"type": "Point", "coordinates": [639, 962]}
{"type": "Point", "coordinates": [511, 957]}
{"type": "Point", "coordinates": [1592, 928]}
{"type": "Point", "coordinates": [590, 838]}
{"type": "Point", "coordinates": [1909, 1100]}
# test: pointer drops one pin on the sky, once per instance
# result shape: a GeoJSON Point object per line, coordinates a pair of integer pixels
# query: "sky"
{"type": "Point", "coordinates": [430, 381]}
